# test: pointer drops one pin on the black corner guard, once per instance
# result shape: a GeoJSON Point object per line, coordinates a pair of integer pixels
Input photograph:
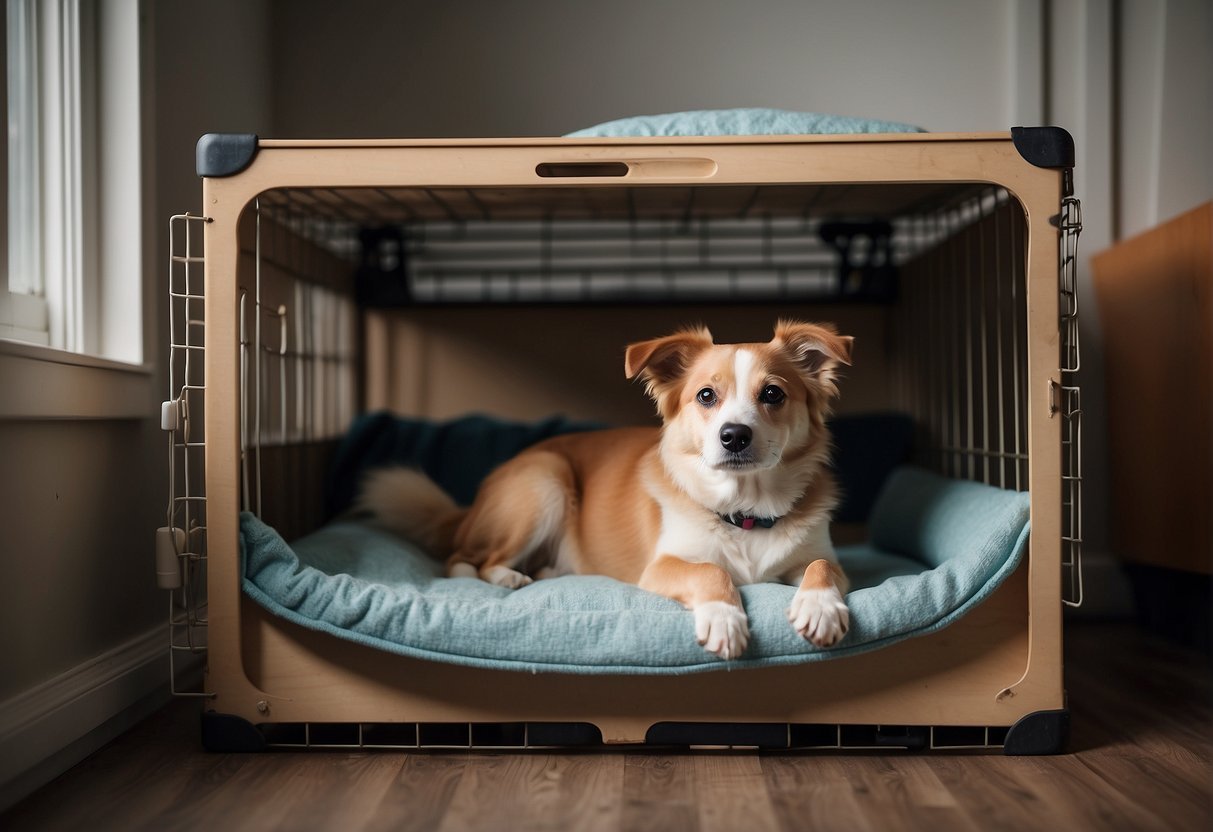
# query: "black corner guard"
{"type": "Point", "coordinates": [225, 154]}
{"type": "Point", "coordinates": [1041, 732]}
{"type": "Point", "coordinates": [1045, 147]}
{"type": "Point", "coordinates": [226, 733]}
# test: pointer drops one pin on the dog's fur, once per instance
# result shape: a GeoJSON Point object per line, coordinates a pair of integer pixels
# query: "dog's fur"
{"type": "Point", "coordinates": [645, 505]}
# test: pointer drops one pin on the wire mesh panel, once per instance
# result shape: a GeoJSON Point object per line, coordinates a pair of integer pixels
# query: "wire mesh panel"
{"type": "Point", "coordinates": [181, 545]}
{"type": "Point", "coordinates": [651, 244]}
{"type": "Point", "coordinates": [298, 369]}
{"type": "Point", "coordinates": [1070, 405]}
{"type": "Point", "coordinates": [962, 355]}
{"type": "Point", "coordinates": [298, 375]}
{"type": "Point", "coordinates": [1071, 496]}
{"type": "Point", "coordinates": [689, 260]}
{"type": "Point", "coordinates": [960, 343]}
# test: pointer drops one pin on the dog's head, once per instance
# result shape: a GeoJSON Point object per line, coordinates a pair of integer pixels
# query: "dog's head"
{"type": "Point", "coordinates": [742, 408]}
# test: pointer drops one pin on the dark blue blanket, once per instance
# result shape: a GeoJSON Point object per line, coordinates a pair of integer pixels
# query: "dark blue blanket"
{"type": "Point", "coordinates": [459, 453]}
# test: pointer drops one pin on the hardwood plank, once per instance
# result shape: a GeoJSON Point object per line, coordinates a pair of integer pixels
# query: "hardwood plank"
{"type": "Point", "coordinates": [1144, 695]}
{"type": "Point", "coordinates": [592, 788]}
{"type": "Point", "coordinates": [814, 793]}
{"type": "Point", "coordinates": [492, 785]}
{"type": "Point", "coordinates": [421, 793]}
{"type": "Point", "coordinates": [240, 792]}
{"type": "Point", "coordinates": [659, 793]}
{"type": "Point", "coordinates": [106, 783]}
{"type": "Point", "coordinates": [537, 791]}
{"type": "Point", "coordinates": [984, 788]}
{"type": "Point", "coordinates": [343, 789]}
{"type": "Point", "coordinates": [299, 791]}
{"type": "Point", "coordinates": [1074, 797]}
{"type": "Point", "coordinates": [899, 791]}
{"type": "Point", "coordinates": [731, 793]}
{"type": "Point", "coordinates": [1176, 794]}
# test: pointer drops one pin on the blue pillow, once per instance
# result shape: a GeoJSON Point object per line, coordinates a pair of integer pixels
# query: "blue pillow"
{"type": "Point", "coordinates": [746, 121]}
{"type": "Point", "coordinates": [935, 520]}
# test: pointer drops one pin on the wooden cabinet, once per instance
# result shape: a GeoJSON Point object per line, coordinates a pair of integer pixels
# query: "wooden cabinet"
{"type": "Point", "coordinates": [1155, 297]}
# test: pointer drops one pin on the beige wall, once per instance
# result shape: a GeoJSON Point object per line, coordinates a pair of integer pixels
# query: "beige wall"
{"type": "Point", "coordinates": [547, 67]}
{"type": "Point", "coordinates": [1165, 118]}
{"type": "Point", "coordinates": [526, 363]}
{"type": "Point", "coordinates": [78, 504]}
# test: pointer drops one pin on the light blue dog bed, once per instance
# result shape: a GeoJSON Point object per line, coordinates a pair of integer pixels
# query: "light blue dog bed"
{"type": "Point", "coordinates": [938, 548]}
{"type": "Point", "coordinates": [742, 121]}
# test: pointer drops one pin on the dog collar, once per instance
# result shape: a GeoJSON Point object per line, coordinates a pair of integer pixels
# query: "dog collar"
{"type": "Point", "coordinates": [745, 521]}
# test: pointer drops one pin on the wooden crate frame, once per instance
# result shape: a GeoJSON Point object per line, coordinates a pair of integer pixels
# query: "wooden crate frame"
{"type": "Point", "coordinates": [999, 666]}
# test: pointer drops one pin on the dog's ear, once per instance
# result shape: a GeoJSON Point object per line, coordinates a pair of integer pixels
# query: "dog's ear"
{"type": "Point", "coordinates": [816, 349]}
{"type": "Point", "coordinates": [661, 361]}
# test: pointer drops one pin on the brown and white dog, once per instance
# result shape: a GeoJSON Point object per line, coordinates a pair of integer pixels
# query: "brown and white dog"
{"type": "Point", "coordinates": [733, 489]}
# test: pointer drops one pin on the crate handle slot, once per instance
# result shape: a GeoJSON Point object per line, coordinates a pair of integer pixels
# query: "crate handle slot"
{"type": "Point", "coordinates": [660, 168]}
{"type": "Point", "coordinates": [557, 170]}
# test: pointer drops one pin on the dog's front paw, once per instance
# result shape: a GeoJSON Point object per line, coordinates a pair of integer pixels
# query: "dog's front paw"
{"type": "Point", "coordinates": [819, 615]}
{"type": "Point", "coordinates": [722, 628]}
{"type": "Point", "coordinates": [506, 577]}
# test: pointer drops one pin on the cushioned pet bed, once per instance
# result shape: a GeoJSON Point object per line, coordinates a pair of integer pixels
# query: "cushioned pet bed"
{"type": "Point", "coordinates": [937, 548]}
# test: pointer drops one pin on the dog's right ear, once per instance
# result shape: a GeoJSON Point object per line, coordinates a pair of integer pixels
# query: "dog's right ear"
{"type": "Point", "coordinates": [662, 361]}
{"type": "Point", "coordinates": [665, 358]}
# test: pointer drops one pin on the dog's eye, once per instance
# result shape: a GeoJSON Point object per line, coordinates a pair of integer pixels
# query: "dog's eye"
{"type": "Point", "coordinates": [706, 397]}
{"type": "Point", "coordinates": [771, 395]}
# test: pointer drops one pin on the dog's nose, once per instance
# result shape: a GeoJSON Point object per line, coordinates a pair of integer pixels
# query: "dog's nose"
{"type": "Point", "coordinates": [736, 437]}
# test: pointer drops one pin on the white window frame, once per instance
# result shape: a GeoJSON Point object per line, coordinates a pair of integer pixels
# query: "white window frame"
{"type": "Point", "coordinates": [74, 178]}
{"type": "Point", "coordinates": [22, 302]}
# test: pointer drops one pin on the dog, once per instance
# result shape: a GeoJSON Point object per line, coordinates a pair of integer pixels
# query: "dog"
{"type": "Point", "coordinates": [734, 488]}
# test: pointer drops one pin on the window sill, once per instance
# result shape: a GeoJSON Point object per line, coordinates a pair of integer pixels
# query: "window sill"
{"type": "Point", "coordinates": [38, 382]}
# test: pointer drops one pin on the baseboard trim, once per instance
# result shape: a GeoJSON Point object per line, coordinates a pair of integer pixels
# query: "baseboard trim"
{"type": "Point", "coordinates": [49, 728]}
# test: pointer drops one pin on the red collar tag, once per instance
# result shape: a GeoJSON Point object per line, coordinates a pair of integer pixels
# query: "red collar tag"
{"type": "Point", "coordinates": [748, 523]}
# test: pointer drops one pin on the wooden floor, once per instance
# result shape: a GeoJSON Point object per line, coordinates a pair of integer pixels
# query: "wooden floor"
{"type": "Point", "coordinates": [1139, 760]}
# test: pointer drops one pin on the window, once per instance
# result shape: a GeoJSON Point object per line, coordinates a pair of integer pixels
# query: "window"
{"type": "Point", "coordinates": [23, 306]}
{"type": "Point", "coordinates": [72, 83]}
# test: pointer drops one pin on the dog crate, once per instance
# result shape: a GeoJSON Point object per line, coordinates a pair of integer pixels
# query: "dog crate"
{"type": "Point", "coordinates": [436, 277]}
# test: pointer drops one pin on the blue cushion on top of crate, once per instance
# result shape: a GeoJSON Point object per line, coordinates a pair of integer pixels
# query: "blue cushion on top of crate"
{"type": "Point", "coordinates": [744, 121]}
{"type": "Point", "coordinates": [950, 545]}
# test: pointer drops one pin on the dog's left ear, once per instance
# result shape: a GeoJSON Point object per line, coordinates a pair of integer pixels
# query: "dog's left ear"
{"type": "Point", "coordinates": [816, 348]}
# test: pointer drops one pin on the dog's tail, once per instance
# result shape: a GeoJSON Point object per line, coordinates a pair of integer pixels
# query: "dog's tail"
{"type": "Point", "coordinates": [410, 504]}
